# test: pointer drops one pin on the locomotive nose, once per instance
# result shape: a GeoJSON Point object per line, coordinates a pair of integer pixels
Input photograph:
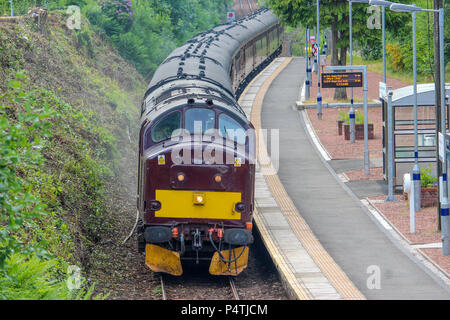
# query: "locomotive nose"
{"type": "Point", "coordinates": [200, 177]}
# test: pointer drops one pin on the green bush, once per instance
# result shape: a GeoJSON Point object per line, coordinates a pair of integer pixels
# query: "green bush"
{"type": "Point", "coordinates": [20, 145]}
{"type": "Point", "coordinates": [53, 159]}
{"type": "Point", "coordinates": [427, 180]}
{"type": "Point", "coordinates": [345, 116]}
{"type": "Point", "coordinates": [32, 278]}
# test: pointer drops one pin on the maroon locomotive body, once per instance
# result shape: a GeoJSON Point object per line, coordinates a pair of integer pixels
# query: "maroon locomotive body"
{"type": "Point", "coordinates": [197, 149]}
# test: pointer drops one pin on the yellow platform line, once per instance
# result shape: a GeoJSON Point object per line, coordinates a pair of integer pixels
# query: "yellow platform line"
{"type": "Point", "coordinates": [323, 260]}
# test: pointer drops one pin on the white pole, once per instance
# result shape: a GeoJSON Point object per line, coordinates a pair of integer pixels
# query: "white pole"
{"type": "Point", "coordinates": [445, 205]}
{"type": "Point", "coordinates": [416, 168]}
{"type": "Point", "coordinates": [319, 95]}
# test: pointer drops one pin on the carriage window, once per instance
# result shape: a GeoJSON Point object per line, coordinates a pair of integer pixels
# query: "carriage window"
{"type": "Point", "coordinates": [163, 129]}
{"type": "Point", "coordinates": [231, 129]}
{"type": "Point", "coordinates": [202, 116]}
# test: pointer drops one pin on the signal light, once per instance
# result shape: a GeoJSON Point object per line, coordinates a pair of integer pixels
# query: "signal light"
{"type": "Point", "coordinates": [181, 177]}
{"type": "Point", "coordinates": [218, 178]}
{"type": "Point", "coordinates": [249, 226]}
{"type": "Point", "coordinates": [175, 232]}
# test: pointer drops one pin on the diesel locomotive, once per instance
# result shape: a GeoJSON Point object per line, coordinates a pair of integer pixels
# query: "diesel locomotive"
{"type": "Point", "coordinates": [196, 148]}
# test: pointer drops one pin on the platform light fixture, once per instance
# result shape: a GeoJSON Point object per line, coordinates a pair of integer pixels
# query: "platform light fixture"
{"type": "Point", "coordinates": [383, 5]}
{"type": "Point", "coordinates": [319, 94]}
{"type": "Point", "coordinates": [352, 109]}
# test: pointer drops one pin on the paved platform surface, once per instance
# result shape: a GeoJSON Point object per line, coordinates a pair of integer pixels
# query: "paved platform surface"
{"type": "Point", "coordinates": [350, 235]}
{"type": "Point", "coordinates": [307, 271]}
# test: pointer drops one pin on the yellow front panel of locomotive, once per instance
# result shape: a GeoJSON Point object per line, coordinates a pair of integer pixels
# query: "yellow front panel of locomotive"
{"type": "Point", "coordinates": [197, 204]}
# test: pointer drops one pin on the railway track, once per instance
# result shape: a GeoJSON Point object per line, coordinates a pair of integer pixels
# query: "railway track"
{"type": "Point", "coordinates": [233, 288]}
{"type": "Point", "coordinates": [231, 283]}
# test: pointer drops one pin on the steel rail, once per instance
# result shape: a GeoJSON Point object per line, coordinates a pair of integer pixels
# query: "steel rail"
{"type": "Point", "coordinates": [233, 288]}
{"type": "Point", "coordinates": [163, 287]}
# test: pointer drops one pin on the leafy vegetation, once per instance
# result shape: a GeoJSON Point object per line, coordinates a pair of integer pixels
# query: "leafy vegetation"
{"type": "Point", "coordinates": [35, 243]}
{"type": "Point", "coordinates": [368, 42]}
{"type": "Point", "coordinates": [68, 125]}
{"type": "Point", "coordinates": [345, 116]}
{"type": "Point", "coordinates": [427, 179]}
{"type": "Point", "coordinates": [143, 31]}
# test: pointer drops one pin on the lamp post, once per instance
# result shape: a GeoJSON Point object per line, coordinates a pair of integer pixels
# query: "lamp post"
{"type": "Point", "coordinates": [11, 5]}
{"type": "Point", "coordinates": [363, 69]}
{"type": "Point", "coordinates": [416, 169]}
{"type": "Point", "coordinates": [390, 114]}
{"type": "Point", "coordinates": [444, 204]}
{"type": "Point", "coordinates": [308, 70]}
{"type": "Point", "coordinates": [352, 109]}
{"type": "Point", "coordinates": [319, 95]}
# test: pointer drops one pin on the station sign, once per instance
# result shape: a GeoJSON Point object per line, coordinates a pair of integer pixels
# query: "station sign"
{"type": "Point", "coordinates": [342, 80]}
{"type": "Point", "coordinates": [313, 50]}
{"type": "Point", "coordinates": [231, 16]}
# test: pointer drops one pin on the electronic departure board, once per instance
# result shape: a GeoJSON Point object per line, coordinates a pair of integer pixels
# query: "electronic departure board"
{"type": "Point", "coordinates": [342, 80]}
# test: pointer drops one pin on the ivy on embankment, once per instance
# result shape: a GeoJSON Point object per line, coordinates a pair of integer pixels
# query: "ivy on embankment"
{"type": "Point", "coordinates": [52, 168]}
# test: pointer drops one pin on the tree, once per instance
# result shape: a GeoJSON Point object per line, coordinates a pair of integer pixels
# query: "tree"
{"type": "Point", "coordinates": [334, 15]}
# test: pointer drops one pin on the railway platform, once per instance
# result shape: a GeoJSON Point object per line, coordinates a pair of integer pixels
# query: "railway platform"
{"type": "Point", "coordinates": [324, 242]}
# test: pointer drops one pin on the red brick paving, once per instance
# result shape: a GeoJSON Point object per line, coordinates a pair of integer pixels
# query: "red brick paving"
{"type": "Point", "coordinates": [425, 226]}
{"type": "Point", "coordinates": [337, 147]}
{"type": "Point", "coordinates": [436, 255]}
{"type": "Point", "coordinates": [375, 174]}
{"type": "Point", "coordinates": [396, 212]}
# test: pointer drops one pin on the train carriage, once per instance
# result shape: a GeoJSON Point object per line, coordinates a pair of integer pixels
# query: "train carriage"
{"type": "Point", "coordinates": [197, 148]}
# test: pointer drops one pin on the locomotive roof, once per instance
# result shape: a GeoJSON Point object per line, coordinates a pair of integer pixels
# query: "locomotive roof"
{"type": "Point", "coordinates": [206, 59]}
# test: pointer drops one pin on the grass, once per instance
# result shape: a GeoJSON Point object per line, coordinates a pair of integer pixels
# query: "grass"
{"type": "Point", "coordinates": [376, 66]}
{"type": "Point", "coordinates": [93, 106]}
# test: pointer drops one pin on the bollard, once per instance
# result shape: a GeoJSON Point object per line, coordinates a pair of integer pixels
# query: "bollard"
{"type": "Point", "coordinates": [408, 188]}
{"type": "Point", "coordinates": [417, 187]}
{"type": "Point", "coordinates": [352, 124]}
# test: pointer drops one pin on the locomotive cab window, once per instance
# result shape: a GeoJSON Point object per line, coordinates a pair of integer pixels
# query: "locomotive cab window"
{"type": "Point", "coordinates": [199, 117]}
{"type": "Point", "coordinates": [231, 129]}
{"type": "Point", "coordinates": [164, 129]}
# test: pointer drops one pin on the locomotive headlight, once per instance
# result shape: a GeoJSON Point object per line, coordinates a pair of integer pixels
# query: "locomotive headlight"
{"type": "Point", "coordinates": [181, 177]}
{"type": "Point", "coordinates": [199, 198]}
{"type": "Point", "coordinates": [155, 205]}
{"type": "Point", "coordinates": [218, 178]}
{"type": "Point", "coordinates": [239, 207]}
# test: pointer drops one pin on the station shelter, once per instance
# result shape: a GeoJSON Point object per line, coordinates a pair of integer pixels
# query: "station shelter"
{"type": "Point", "coordinates": [403, 130]}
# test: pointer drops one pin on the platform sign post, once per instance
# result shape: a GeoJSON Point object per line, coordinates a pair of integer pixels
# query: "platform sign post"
{"type": "Point", "coordinates": [319, 94]}
{"type": "Point", "coordinates": [347, 80]}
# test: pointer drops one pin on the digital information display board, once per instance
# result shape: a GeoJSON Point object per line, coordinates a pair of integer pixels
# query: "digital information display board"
{"type": "Point", "coordinates": [342, 80]}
